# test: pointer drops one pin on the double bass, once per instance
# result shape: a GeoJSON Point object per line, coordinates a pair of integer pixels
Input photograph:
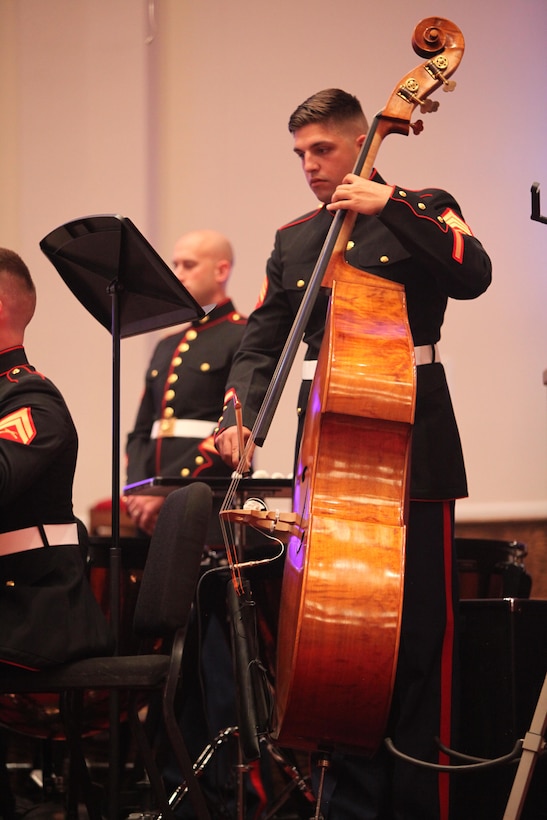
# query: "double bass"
{"type": "Point", "coordinates": [342, 591]}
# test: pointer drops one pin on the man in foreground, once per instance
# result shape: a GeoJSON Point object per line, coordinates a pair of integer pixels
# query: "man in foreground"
{"type": "Point", "coordinates": [420, 239]}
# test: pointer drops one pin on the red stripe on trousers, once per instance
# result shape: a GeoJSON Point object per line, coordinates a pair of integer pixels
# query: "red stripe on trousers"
{"type": "Point", "coordinates": [446, 665]}
{"type": "Point", "coordinates": [258, 785]}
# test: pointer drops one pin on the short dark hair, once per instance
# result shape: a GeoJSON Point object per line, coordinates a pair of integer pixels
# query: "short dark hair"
{"type": "Point", "coordinates": [11, 262]}
{"type": "Point", "coordinates": [17, 289]}
{"type": "Point", "coordinates": [330, 104]}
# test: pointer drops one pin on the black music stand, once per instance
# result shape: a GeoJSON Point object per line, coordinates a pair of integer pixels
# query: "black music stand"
{"type": "Point", "coordinates": [120, 279]}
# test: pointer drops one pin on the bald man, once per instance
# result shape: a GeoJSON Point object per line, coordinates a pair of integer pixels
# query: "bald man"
{"type": "Point", "coordinates": [184, 387]}
{"type": "Point", "coordinates": [173, 436]}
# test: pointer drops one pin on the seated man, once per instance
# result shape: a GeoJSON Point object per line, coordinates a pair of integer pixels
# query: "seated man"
{"type": "Point", "coordinates": [184, 387]}
{"type": "Point", "coordinates": [173, 436]}
{"type": "Point", "coordinates": [48, 614]}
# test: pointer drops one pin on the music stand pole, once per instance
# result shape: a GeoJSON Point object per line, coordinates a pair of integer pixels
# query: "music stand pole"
{"type": "Point", "coordinates": [115, 556]}
{"type": "Point", "coordinates": [119, 278]}
{"type": "Point", "coordinates": [115, 551]}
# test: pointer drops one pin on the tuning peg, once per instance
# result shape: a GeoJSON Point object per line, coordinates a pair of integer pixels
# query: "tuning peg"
{"type": "Point", "coordinates": [408, 92]}
{"type": "Point", "coordinates": [436, 68]}
{"type": "Point", "coordinates": [428, 106]}
{"type": "Point", "coordinates": [417, 126]}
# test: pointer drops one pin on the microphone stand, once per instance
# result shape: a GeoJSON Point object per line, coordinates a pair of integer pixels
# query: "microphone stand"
{"type": "Point", "coordinates": [534, 741]}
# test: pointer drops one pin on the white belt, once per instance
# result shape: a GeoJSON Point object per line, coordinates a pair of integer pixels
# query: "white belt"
{"type": "Point", "coordinates": [30, 538]}
{"type": "Point", "coordinates": [426, 354]}
{"type": "Point", "coordinates": [182, 428]}
{"type": "Point", "coordinates": [423, 354]}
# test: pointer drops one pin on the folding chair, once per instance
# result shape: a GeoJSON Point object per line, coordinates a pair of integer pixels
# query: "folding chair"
{"type": "Point", "coordinates": [162, 611]}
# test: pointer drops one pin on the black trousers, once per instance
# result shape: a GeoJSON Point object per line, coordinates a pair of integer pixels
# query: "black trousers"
{"type": "Point", "coordinates": [425, 696]}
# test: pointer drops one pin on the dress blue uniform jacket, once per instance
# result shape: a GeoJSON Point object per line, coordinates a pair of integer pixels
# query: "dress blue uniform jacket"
{"type": "Point", "coordinates": [419, 239]}
{"type": "Point", "coordinates": [48, 614]}
{"type": "Point", "coordinates": [185, 380]}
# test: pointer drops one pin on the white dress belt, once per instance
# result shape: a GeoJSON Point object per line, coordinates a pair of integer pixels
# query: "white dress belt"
{"type": "Point", "coordinates": [423, 354]}
{"type": "Point", "coordinates": [182, 428]}
{"type": "Point", "coordinates": [30, 538]}
{"type": "Point", "coordinates": [427, 354]}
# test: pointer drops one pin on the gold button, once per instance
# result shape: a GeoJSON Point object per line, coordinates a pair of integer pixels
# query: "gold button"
{"type": "Point", "coordinates": [440, 219]}
{"type": "Point", "coordinates": [191, 335]}
{"type": "Point", "coordinates": [421, 206]}
{"type": "Point", "coordinates": [169, 394]}
{"type": "Point", "coordinates": [15, 371]}
{"type": "Point", "coordinates": [300, 283]}
{"type": "Point", "coordinates": [350, 245]}
{"type": "Point", "coordinates": [236, 317]}
{"type": "Point", "coordinates": [10, 583]}
{"type": "Point", "coordinates": [168, 413]}
{"type": "Point", "coordinates": [402, 193]}
{"type": "Point", "coordinates": [199, 459]}
{"type": "Point", "coordinates": [166, 426]}
{"type": "Point", "coordinates": [185, 472]}
{"type": "Point", "coordinates": [172, 378]}
{"type": "Point", "coordinates": [298, 411]}
{"type": "Point", "coordinates": [204, 367]}
{"type": "Point", "coordinates": [384, 259]}
{"type": "Point", "coordinates": [216, 429]}
{"type": "Point", "coordinates": [184, 348]}
{"type": "Point", "coordinates": [203, 320]}
{"type": "Point", "coordinates": [154, 373]}
{"type": "Point", "coordinates": [176, 361]}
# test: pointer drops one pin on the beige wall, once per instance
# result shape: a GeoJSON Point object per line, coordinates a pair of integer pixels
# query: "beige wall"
{"type": "Point", "coordinates": [180, 122]}
{"type": "Point", "coordinates": [76, 143]}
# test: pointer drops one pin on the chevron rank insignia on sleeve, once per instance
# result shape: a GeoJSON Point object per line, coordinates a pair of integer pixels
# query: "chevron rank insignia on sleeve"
{"type": "Point", "coordinates": [18, 426]}
{"type": "Point", "coordinates": [458, 228]}
{"type": "Point", "coordinates": [263, 292]}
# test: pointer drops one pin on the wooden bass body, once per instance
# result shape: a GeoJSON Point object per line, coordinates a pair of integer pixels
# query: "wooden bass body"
{"type": "Point", "coordinates": [341, 599]}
